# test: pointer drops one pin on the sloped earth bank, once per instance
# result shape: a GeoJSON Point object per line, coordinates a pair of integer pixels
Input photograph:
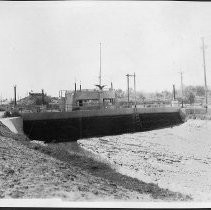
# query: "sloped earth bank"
{"type": "Point", "coordinates": [67, 171]}
{"type": "Point", "coordinates": [177, 158]}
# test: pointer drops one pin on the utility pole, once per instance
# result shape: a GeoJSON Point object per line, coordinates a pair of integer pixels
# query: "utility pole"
{"type": "Point", "coordinates": [135, 87]}
{"type": "Point", "coordinates": [181, 73]}
{"type": "Point", "coordinates": [75, 85]}
{"type": "Point", "coordinates": [43, 100]}
{"type": "Point", "coordinates": [205, 79]}
{"type": "Point", "coordinates": [174, 93]}
{"type": "Point", "coordinates": [15, 102]}
{"type": "Point", "coordinates": [134, 77]}
{"type": "Point", "coordinates": [128, 98]}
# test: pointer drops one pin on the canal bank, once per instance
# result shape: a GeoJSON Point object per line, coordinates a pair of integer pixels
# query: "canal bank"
{"type": "Point", "coordinates": [33, 169]}
{"type": "Point", "coordinates": [171, 164]}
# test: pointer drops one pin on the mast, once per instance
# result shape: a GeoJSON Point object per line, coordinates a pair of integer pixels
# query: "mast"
{"type": "Point", "coordinates": [100, 66]}
{"type": "Point", "coordinates": [100, 86]}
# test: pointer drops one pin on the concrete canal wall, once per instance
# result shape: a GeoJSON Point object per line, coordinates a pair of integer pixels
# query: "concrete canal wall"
{"type": "Point", "coordinates": [15, 124]}
{"type": "Point", "coordinates": [71, 126]}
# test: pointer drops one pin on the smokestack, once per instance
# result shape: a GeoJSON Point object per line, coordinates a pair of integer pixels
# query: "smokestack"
{"type": "Point", "coordinates": [75, 86]}
{"type": "Point", "coordinates": [15, 102]}
{"type": "Point", "coordinates": [80, 85]}
{"type": "Point", "coordinates": [111, 86]}
{"type": "Point", "coordinates": [174, 92]}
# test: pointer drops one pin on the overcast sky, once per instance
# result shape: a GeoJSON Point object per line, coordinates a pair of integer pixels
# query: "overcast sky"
{"type": "Point", "coordinates": [49, 45]}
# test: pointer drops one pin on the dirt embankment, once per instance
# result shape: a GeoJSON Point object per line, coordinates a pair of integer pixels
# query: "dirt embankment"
{"type": "Point", "coordinates": [29, 169]}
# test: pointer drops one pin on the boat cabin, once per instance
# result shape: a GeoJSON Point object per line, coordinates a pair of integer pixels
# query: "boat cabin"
{"type": "Point", "coordinates": [86, 99]}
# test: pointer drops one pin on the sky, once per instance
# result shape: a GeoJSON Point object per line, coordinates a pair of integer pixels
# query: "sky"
{"type": "Point", "coordinates": [49, 45]}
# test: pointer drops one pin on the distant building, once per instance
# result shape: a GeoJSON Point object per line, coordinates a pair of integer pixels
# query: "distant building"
{"type": "Point", "coordinates": [35, 94]}
{"type": "Point", "coordinates": [86, 99]}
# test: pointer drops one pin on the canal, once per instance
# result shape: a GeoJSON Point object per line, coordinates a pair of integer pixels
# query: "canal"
{"type": "Point", "coordinates": [177, 158]}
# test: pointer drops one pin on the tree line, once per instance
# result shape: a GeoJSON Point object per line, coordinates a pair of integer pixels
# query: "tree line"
{"type": "Point", "coordinates": [190, 93]}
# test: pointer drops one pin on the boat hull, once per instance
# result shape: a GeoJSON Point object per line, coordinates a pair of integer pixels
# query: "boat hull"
{"type": "Point", "coordinates": [73, 126]}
